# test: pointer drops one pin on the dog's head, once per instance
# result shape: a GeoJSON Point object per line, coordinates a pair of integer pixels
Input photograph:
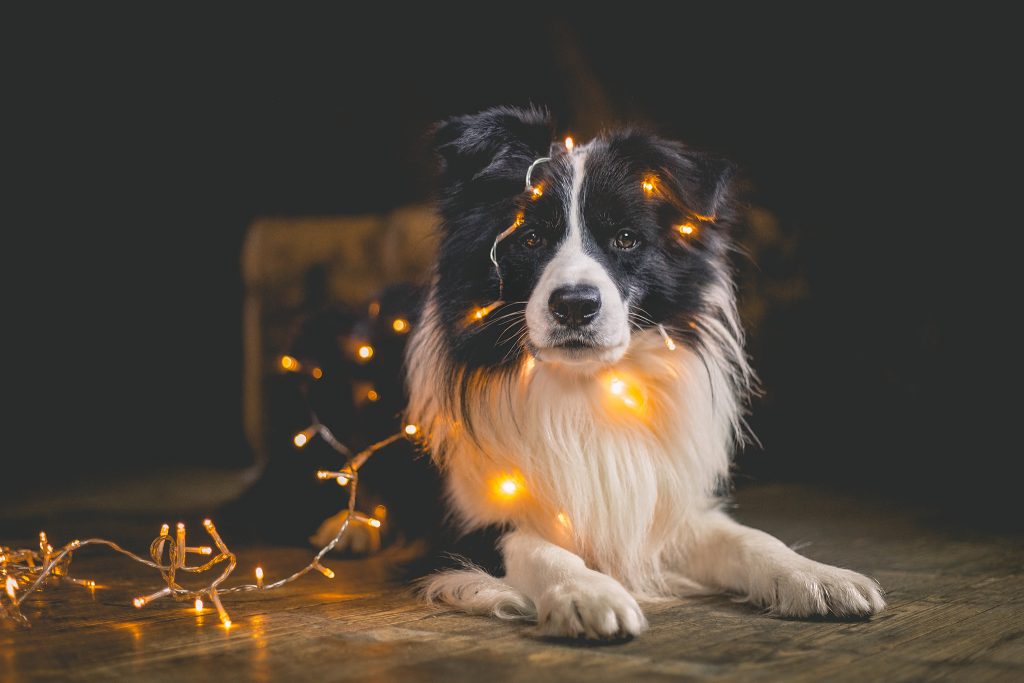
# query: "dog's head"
{"type": "Point", "coordinates": [611, 237]}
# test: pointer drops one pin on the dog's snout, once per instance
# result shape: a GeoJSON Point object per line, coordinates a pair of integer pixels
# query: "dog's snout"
{"type": "Point", "coordinates": [576, 305]}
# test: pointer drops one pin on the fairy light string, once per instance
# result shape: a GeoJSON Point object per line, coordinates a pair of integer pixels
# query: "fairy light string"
{"type": "Point", "coordinates": [23, 572]}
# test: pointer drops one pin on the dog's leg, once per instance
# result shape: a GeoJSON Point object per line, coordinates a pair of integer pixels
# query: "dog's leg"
{"type": "Point", "coordinates": [571, 599]}
{"type": "Point", "coordinates": [724, 554]}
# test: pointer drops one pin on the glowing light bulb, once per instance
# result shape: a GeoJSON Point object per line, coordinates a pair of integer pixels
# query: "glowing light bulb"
{"type": "Point", "coordinates": [289, 363]}
{"type": "Point", "coordinates": [317, 373]}
{"type": "Point", "coordinates": [648, 184]}
{"type": "Point", "coordinates": [536, 192]}
{"type": "Point", "coordinates": [325, 571]}
{"type": "Point", "coordinates": [375, 523]}
{"type": "Point", "coordinates": [669, 342]}
{"type": "Point", "coordinates": [372, 395]}
{"type": "Point", "coordinates": [484, 311]}
{"type": "Point", "coordinates": [563, 519]}
{"type": "Point", "coordinates": [12, 587]}
{"type": "Point", "coordinates": [411, 429]}
{"type": "Point", "coordinates": [259, 577]}
{"type": "Point", "coordinates": [569, 144]}
{"type": "Point", "coordinates": [165, 530]}
{"type": "Point", "coordinates": [139, 602]}
{"type": "Point", "coordinates": [303, 437]}
{"type": "Point", "coordinates": [400, 325]}
{"type": "Point", "coordinates": [686, 229]}
{"type": "Point", "coordinates": [199, 605]}
{"type": "Point", "coordinates": [631, 396]}
{"type": "Point", "coordinates": [205, 550]}
{"type": "Point", "coordinates": [365, 351]}
{"type": "Point", "coordinates": [508, 487]}
{"type": "Point", "coordinates": [226, 622]}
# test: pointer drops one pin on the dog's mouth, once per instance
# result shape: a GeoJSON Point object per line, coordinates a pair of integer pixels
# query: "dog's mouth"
{"type": "Point", "coordinates": [575, 344]}
{"type": "Point", "coordinates": [578, 352]}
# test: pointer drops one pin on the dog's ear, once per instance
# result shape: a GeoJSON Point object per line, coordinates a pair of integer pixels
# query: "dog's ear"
{"type": "Point", "coordinates": [496, 145]}
{"type": "Point", "coordinates": [703, 183]}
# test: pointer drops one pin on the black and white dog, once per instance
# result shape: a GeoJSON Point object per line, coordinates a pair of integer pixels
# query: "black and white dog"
{"type": "Point", "coordinates": [585, 389]}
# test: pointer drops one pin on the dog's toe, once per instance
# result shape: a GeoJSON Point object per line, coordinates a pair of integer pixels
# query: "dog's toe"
{"type": "Point", "coordinates": [817, 589]}
{"type": "Point", "coordinates": [594, 606]}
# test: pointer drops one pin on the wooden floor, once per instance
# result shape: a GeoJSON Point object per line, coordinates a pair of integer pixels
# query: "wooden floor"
{"type": "Point", "coordinates": [956, 613]}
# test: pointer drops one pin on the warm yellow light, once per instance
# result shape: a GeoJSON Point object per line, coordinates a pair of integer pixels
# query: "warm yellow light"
{"type": "Point", "coordinates": [205, 550]}
{"type": "Point", "coordinates": [342, 479]}
{"type": "Point", "coordinates": [569, 144]}
{"type": "Point", "coordinates": [686, 229]}
{"type": "Point", "coordinates": [563, 519]}
{"type": "Point", "coordinates": [199, 605]}
{"type": "Point", "coordinates": [226, 622]}
{"type": "Point", "coordinates": [325, 571]}
{"type": "Point", "coordinates": [648, 185]}
{"type": "Point", "coordinates": [380, 512]}
{"type": "Point", "coordinates": [317, 373]}
{"type": "Point", "coordinates": [303, 437]}
{"type": "Point", "coordinates": [90, 584]}
{"type": "Point", "coordinates": [508, 487]}
{"type": "Point", "coordinates": [165, 530]}
{"type": "Point", "coordinates": [289, 363]}
{"type": "Point", "coordinates": [139, 602]}
{"type": "Point", "coordinates": [208, 523]}
{"type": "Point", "coordinates": [483, 312]}
{"type": "Point", "coordinates": [259, 577]}
{"type": "Point", "coordinates": [365, 352]}
{"type": "Point", "coordinates": [400, 325]}
{"type": "Point", "coordinates": [12, 587]}
{"type": "Point", "coordinates": [671, 345]}
{"type": "Point", "coordinates": [536, 191]}
{"type": "Point", "coordinates": [630, 395]}
{"type": "Point", "coordinates": [411, 429]}
{"type": "Point", "coordinates": [375, 523]}
{"type": "Point", "coordinates": [372, 395]}
{"type": "Point", "coordinates": [704, 219]}
{"type": "Point", "coordinates": [530, 364]}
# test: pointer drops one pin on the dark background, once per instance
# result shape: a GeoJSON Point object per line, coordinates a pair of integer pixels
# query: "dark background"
{"type": "Point", "coordinates": [138, 150]}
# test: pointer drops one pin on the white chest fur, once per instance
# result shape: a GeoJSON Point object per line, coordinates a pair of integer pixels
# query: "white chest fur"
{"type": "Point", "coordinates": [606, 464]}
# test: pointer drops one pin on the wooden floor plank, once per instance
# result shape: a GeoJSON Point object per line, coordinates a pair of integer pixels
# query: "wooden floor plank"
{"type": "Point", "coordinates": [956, 613]}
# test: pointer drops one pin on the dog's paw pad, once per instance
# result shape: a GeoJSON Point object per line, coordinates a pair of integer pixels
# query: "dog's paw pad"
{"type": "Point", "coordinates": [591, 606]}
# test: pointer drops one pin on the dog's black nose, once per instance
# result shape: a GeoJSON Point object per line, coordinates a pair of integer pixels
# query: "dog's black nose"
{"type": "Point", "coordinates": [576, 305]}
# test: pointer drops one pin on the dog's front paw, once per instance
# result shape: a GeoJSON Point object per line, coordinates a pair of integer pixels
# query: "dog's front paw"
{"type": "Point", "coordinates": [815, 589]}
{"type": "Point", "coordinates": [591, 605]}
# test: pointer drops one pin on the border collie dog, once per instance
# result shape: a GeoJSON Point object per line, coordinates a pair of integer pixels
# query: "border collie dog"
{"type": "Point", "coordinates": [585, 388]}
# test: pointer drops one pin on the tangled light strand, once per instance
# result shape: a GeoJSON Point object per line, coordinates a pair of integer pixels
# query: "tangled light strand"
{"type": "Point", "coordinates": [24, 571]}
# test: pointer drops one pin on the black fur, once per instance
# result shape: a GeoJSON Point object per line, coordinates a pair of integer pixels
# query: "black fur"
{"type": "Point", "coordinates": [485, 158]}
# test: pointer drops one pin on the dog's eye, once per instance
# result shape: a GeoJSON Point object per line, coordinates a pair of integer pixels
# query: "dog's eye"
{"type": "Point", "coordinates": [531, 240]}
{"type": "Point", "coordinates": [626, 239]}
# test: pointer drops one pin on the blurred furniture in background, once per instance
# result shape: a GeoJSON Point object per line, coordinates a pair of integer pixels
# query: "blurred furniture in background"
{"type": "Point", "coordinates": [293, 266]}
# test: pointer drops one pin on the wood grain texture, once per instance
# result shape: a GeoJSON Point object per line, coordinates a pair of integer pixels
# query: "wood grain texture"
{"type": "Point", "coordinates": [956, 613]}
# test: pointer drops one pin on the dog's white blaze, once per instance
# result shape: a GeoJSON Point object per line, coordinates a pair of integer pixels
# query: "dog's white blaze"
{"type": "Point", "coordinates": [571, 265]}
